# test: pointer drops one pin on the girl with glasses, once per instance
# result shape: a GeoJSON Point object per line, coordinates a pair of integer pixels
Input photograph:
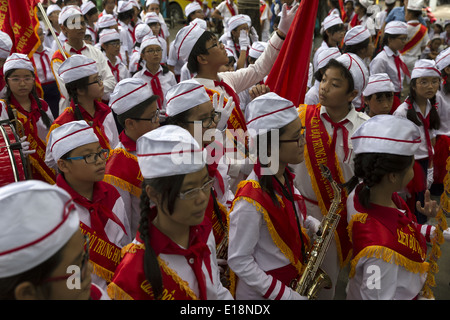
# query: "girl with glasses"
{"type": "Point", "coordinates": [34, 116]}
{"type": "Point", "coordinates": [420, 107]}
{"type": "Point", "coordinates": [85, 87]}
{"type": "Point", "coordinates": [74, 150]}
{"type": "Point", "coordinates": [110, 45]}
{"type": "Point", "coordinates": [137, 112]}
{"type": "Point", "coordinates": [173, 256]}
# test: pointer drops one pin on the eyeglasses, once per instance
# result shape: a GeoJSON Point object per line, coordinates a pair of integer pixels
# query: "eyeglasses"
{"type": "Point", "coordinates": [84, 264]}
{"type": "Point", "coordinates": [216, 44]}
{"type": "Point", "coordinates": [17, 80]}
{"type": "Point", "coordinates": [206, 122]}
{"type": "Point", "coordinates": [114, 43]}
{"type": "Point", "coordinates": [153, 51]}
{"type": "Point", "coordinates": [302, 136]}
{"type": "Point", "coordinates": [155, 118]}
{"type": "Point", "coordinates": [92, 157]}
{"type": "Point", "coordinates": [194, 193]}
{"type": "Point", "coordinates": [99, 81]}
{"type": "Point", "coordinates": [426, 83]}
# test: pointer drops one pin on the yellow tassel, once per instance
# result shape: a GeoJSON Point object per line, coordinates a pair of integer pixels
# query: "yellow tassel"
{"type": "Point", "coordinates": [184, 285]}
{"type": "Point", "coordinates": [116, 293]}
{"type": "Point", "coordinates": [101, 272]}
{"type": "Point", "coordinates": [122, 184]}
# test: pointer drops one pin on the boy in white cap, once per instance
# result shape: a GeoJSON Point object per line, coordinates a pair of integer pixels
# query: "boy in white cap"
{"type": "Point", "coordinates": [224, 11]}
{"type": "Point", "coordinates": [52, 12]}
{"type": "Point", "coordinates": [109, 40]}
{"type": "Point", "coordinates": [389, 59]}
{"type": "Point", "coordinates": [90, 13]}
{"type": "Point", "coordinates": [84, 85]}
{"type": "Point", "coordinates": [21, 103]}
{"type": "Point", "coordinates": [192, 11]}
{"type": "Point", "coordinates": [158, 76]}
{"type": "Point", "coordinates": [40, 241]}
{"type": "Point", "coordinates": [75, 151]}
{"type": "Point", "coordinates": [137, 112]}
{"type": "Point", "coordinates": [379, 95]}
{"type": "Point", "coordinates": [73, 25]}
{"type": "Point", "coordinates": [420, 107]}
{"type": "Point", "coordinates": [329, 126]}
{"type": "Point", "coordinates": [380, 221]}
{"type": "Point", "coordinates": [268, 245]}
{"type": "Point", "coordinates": [173, 257]}
{"type": "Point", "coordinates": [5, 50]}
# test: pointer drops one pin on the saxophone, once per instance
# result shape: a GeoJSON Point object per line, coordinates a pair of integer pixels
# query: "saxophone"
{"type": "Point", "coordinates": [313, 277]}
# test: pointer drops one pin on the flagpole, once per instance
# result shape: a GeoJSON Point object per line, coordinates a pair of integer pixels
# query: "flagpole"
{"type": "Point", "coordinates": [49, 26]}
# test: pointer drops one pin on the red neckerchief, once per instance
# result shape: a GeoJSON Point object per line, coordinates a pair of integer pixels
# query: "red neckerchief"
{"type": "Point", "coordinates": [100, 208]}
{"type": "Point", "coordinates": [156, 86]}
{"type": "Point", "coordinates": [115, 70]}
{"type": "Point", "coordinates": [34, 113]}
{"type": "Point", "coordinates": [77, 51]}
{"type": "Point", "coordinates": [336, 127]}
{"type": "Point", "coordinates": [355, 21]}
{"type": "Point", "coordinates": [43, 55]}
{"type": "Point", "coordinates": [426, 127]}
{"type": "Point", "coordinates": [213, 162]}
{"type": "Point", "coordinates": [229, 90]}
{"type": "Point", "coordinates": [401, 66]}
{"type": "Point", "coordinates": [196, 254]}
{"type": "Point", "coordinates": [101, 111]}
{"type": "Point", "coordinates": [129, 144]}
{"type": "Point", "coordinates": [230, 7]}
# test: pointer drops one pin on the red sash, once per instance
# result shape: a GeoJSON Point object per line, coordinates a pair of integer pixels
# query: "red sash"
{"type": "Point", "coordinates": [415, 39]}
{"type": "Point", "coordinates": [388, 234]}
{"type": "Point", "coordinates": [355, 21]}
{"type": "Point", "coordinates": [122, 170]}
{"type": "Point", "coordinates": [230, 7]}
{"type": "Point", "coordinates": [317, 152]}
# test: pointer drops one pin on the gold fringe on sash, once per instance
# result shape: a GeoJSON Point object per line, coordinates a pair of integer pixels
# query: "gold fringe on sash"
{"type": "Point", "coordinates": [122, 184]}
{"type": "Point", "coordinates": [101, 272]}
{"type": "Point", "coordinates": [116, 293]}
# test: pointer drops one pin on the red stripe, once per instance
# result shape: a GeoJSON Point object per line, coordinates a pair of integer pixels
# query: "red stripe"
{"type": "Point", "coordinates": [128, 94]}
{"type": "Point", "coordinates": [267, 114]}
{"type": "Point", "coordinates": [271, 288]}
{"type": "Point", "coordinates": [51, 149]}
{"type": "Point", "coordinates": [356, 35]}
{"type": "Point", "coordinates": [389, 139]}
{"type": "Point", "coordinates": [201, 86]}
{"type": "Point", "coordinates": [181, 44]}
{"type": "Point", "coordinates": [166, 153]}
{"type": "Point", "coordinates": [83, 65]}
{"type": "Point", "coordinates": [280, 294]}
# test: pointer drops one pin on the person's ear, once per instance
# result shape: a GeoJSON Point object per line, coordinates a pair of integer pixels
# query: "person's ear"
{"type": "Point", "coordinates": [352, 95]}
{"type": "Point", "coordinates": [62, 166]}
{"type": "Point", "coordinates": [25, 291]}
{"type": "Point", "coordinates": [202, 59]}
{"type": "Point", "coordinates": [129, 123]}
{"type": "Point", "coordinates": [153, 195]}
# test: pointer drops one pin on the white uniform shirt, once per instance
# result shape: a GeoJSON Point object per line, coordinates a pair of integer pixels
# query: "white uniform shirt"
{"type": "Point", "coordinates": [384, 63]}
{"type": "Point", "coordinates": [411, 56]}
{"type": "Point", "coordinates": [312, 95]}
{"type": "Point", "coordinates": [226, 13]}
{"type": "Point", "coordinates": [443, 101]}
{"type": "Point", "coordinates": [44, 64]}
{"type": "Point", "coordinates": [122, 73]}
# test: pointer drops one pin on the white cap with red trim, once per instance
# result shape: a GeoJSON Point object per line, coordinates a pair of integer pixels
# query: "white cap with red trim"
{"type": "Point", "coordinates": [257, 49]}
{"type": "Point", "coordinates": [192, 7]}
{"type": "Point", "coordinates": [326, 55]}
{"type": "Point", "coordinates": [396, 27]}
{"type": "Point", "coordinates": [357, 68]}
{"type": "Point", "coordinates": [236, 21]}
{"type": "Point", "coordinates": [67, 137]}
{"type": "Point", "coordinates": [5, 45]}
{"type": "Point", "coordinates": [330, 21]}
{"type": "Point", "coordinates": [386, 133]}
{"type": "Point", "coordinates": [37, 220]}
{"type": "Point", "coordinates": [87, 6]}
{"type": "Point", "coordinates": [443, 59]}
{"type": "Point", "coordinates": [378, 82]}
{"type": "Point", "coordinates": [186, 39]}
{"type": "Point", "coordinates": [425, 68]}
{"type": "Point", "coordinates": [107, 35]}
{"type": "Point", "coordinates": [167, 151]}
{"type": "Point", "coordinates": [106, 21]}
{"type": "Point", "coordinates": [77, 67]}
{"type": "Point", "coordinates": [67, 12]}
{"type": "Point", "coordinates": [18, 61]}
{"type": "Point", "coordinates": [269, 111]}
{"type": "Point", "coordinates": [184, 96]}
{"type": "Point", "coordinates": [356, 35]}
{"type": "Point", "coordinates": [128, 93]}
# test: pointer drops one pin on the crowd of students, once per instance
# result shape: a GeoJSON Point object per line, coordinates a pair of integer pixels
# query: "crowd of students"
{"type": "Point", "coordinates": [139, 181]}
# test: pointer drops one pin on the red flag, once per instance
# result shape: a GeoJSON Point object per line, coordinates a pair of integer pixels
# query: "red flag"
{"type": "Point", "coordinates": [289, 75]}
{"type": "Point", "coordinates": [342, 9]}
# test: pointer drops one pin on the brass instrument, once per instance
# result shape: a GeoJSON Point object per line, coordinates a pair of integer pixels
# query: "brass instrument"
{"type": "Point", "coordinates": [314, 278]}
{"type": "Point", "coordinates": [222, 253]}
{"type": "Point", "coordinates": [20, 131]}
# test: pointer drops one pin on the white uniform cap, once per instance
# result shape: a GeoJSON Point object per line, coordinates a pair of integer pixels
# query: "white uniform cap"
{"type": "Point", "coordinates": [76, 67]}
{"type": "Point", "coordinates": [366, 3]}
{"type": "Point", "coordinates": [148, 41]}
{"type": "Point", "coordinates": [378, 82]}
{"type": "Point", "coordinates": [167, 151]}
{"type": "Point", "coordinates": [69, 12]}
{"type": "Point", "coordinates": [18, 61]}
{"type": "Point", "coordinates": [191, 7]}
{"type": "Point", "coordinates": [5, 45]}
{"type": "Point", "coordinates": [326, 55]}
{"type": "Point", "coordinates": [151, 17]}
{"type": "Point", "coordinates": [136, 4]}
{"type": "Point", "coordinates": [141, 31]}
{"type": "Point", "coordinates": [106, 21]}
{"type": "Point", "coordinates": [386, 133]}
{"type": "Point", "coordinates": [52, 8]}
{"type": "Point", "coordinates": [67, 137]}
{"type": "Point", "coordinates": [149, 2]}
{"type": "Point", "coordinates": [330, 21]}
{"type": "Point", "coordinates": [443, 59]}
{"type": "Point", "coordinates": [356, 35]}
{"type": "Point", "coordinates": [37, 220]}
{"type": "Point", "coordinates": [184, 96]}
{"type": "Point", "coordinates": [236, 21]}
{"type": "Point", "coordinates": [128, 93]}
{"type": "Point", "coordinates": [229, 51]}
{"type": "Point", "coordinates": [269, 111]}
{"type": "Point", "coordinates": [396, 27]}
{"type": "Point", "coordinates": [186, 39]}
{"type": "Point", "coordinates": [257, 49]}
{"type": "Point", "coordinates": [357, 68]}
{"type": "Point", "coordinates": [107, 35]}
{"type": "Point", "coordinates": [200, 22]}
{"type": "Point", "coordinates": [425, 68]}
{"type": "Point", "coordinates": [415, 5]}
{"type": "Point", "coordinates": [124, 6]}
{"type": "Point", "coordinates": [87, 6]}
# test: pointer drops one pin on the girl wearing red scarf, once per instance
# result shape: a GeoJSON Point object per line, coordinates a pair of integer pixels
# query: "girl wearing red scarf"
{"type": "Point", "coordinates": [268, 242]}
{"type": "Point", "coordinates": [173, 256]}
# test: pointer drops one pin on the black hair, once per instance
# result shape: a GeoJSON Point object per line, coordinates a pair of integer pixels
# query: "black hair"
{"type": "Point", "coordinates": [415, 13]}
{"type": "Point", "coordinates": [126, 15]}
{"type": "Point", "coordinates": [358, 4]}
{"type": "Point", "coordinates": [371, 168]}
{"type": "Point", "coordinates": [91, 12]}
{"type": "Point", "coordinates": [355, 48]}
{"type": "Point", "coordinates": [332, 30]}
{"type": "Point", "coordinates": [72, 88]}
{"type": "Point", "coordinates": [333, 63]}
{"type": "Point", "coordinates": [136, 111]}
{"type": "Point", "coordinates": [378, 95]}
{"type": "Point", "coordinates": [435, 121]}
{"type": "Point", "coordinates": [36, 276]}
{"type": "Point", "coordinates": [198, 49]}
{"type": "Point", "coordinates": [169, 188]}
{"type": "Point", "coordinates": [45, 118]}
{"type": "Point", "coordinates": [387, 37]}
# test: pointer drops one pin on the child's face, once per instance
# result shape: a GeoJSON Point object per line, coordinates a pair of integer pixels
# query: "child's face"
{"type": "Point", "coordinates": [156, 28]}
{"type": "Point", "coordinates": [152, 54]}
{"type": "Point", "coordinates": [333, 89]}
{"type": "Point", "coordinates": [21, 82]}
{"type": "Point", "coordinates": [76, 28]}
{"type": "Point", "coordinates": [379, 105]}
{"type": "Point", "coordinates": [398, 43]}
{"type": "Point", "coordinates": [95, 88]}
{"type": "Point", "coordinates": [426, 87]}
{"type": "Point", "coordinates": [109, 6]}
{"type": "Point", "coordinates": [149, 121]}
{"type": "Point", "coordinates": [435, 44]}
{"type": "Point", "coordinates": [53, 17]}
{"type": "Point", "coordinates": [112, 47]}
{"type": "Point", "coordinates": [153, 8]}
{"type": "Point", "coordinates": [349, 6]}
{"type": "Point", "coordinates": [291, 151]}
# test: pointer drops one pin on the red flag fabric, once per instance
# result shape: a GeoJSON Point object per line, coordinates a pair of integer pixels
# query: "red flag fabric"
{"type": "Point", "coordinates": [289, 75]}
